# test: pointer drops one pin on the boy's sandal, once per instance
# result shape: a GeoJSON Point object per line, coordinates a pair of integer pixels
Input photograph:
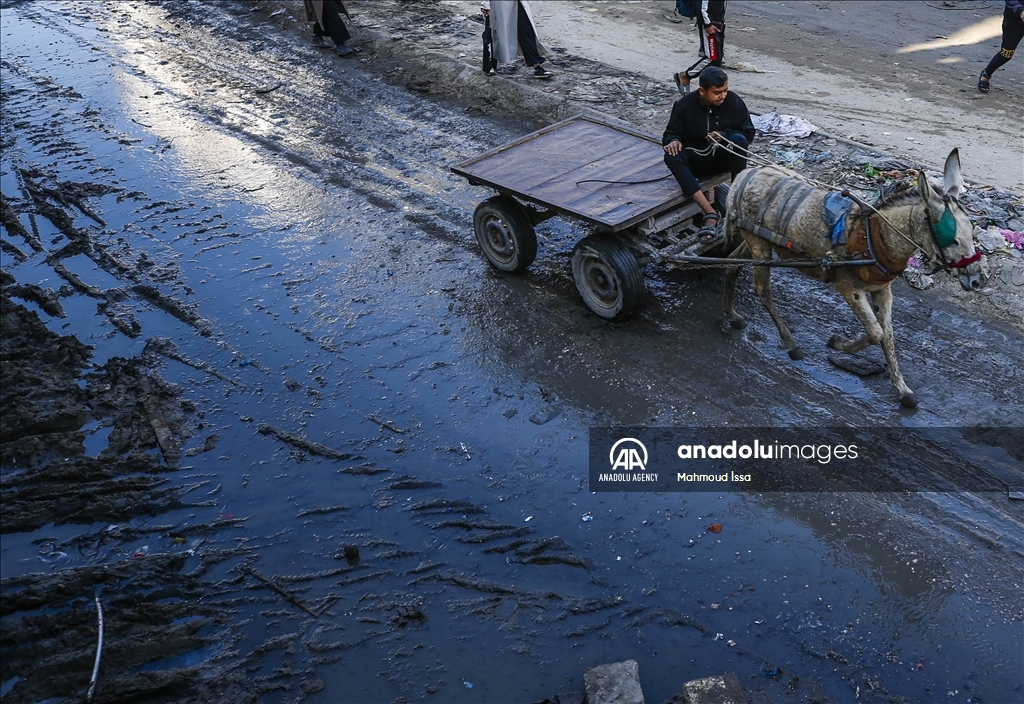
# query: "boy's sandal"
{"type": "Point", "coordinates": [709, 232]}
{"type": "Point", "coordinates": [984, 82]}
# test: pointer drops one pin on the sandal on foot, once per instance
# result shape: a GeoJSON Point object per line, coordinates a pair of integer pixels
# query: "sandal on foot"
{"type": "Point", "coordinates": [709, 232]}
{"type": "Point", "coordinates": [984, 82]}
{"type": "Point", "coordinates": [683, 89]}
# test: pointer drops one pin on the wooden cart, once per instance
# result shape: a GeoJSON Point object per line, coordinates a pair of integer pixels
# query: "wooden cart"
{"type": "Point", "coordinates": [606, 174]}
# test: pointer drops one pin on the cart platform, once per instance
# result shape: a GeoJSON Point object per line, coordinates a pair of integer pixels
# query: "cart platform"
{"type": "Point", "coordinates": [547, 166]}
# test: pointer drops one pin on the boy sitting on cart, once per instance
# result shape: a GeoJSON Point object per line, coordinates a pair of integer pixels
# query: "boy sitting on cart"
{"type": "Point", "coordinates": [697, 140]}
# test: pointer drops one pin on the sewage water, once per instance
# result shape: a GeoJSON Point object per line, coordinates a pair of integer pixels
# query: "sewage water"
{"type": "Point", "coordinates": [329, 258]}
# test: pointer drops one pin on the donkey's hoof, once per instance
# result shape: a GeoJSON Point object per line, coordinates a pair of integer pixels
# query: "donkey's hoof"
{"type": "Point", "coordinates": [909, 400]}
{"type": "Point", "coordinates": [738, 323]}
{"type": "Point", "coordinates": [796, 354]}
{"type": "Point", "coordinates": [835, 341]}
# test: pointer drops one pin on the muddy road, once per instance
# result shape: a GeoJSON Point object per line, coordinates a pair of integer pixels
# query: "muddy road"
{"type": "Point", "coordinates": [267, 405]}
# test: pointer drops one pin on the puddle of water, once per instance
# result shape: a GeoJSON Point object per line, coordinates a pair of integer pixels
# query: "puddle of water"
{"type": "Point", "coordinates": [189, 659]}
{"type": "Point", "coordinates": [420, 380]}
{"type": "Point", "coordinates": [95, 438]}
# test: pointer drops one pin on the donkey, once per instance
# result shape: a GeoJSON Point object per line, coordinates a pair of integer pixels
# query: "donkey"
{"type": "Point", "coordinates": [775, 210]}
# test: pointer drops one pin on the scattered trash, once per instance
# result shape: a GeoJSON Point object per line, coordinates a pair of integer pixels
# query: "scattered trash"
{"type": "Point", "coordinates": [880, 162]}
{"type": "Point", "coordinates": [783, 125]}
{"type": "Point", "coordinates": [771, 673]}
{"type": "Point", "coordinates": [992, 239]}
{"type": "Point", "coordinates": [467, 685]}
{"type": "Point", "coordinates": [715, 527]}
{"type": "Point", "coordinates": [918, 279]}
{"type": "Point", "coordinates": [1014, 238]}
{"type": "Point", "coordinates": [788, 157]}
{"type": "Point", "coordinates": [587, 517]}
{"type": "Point", "coordinates": [528, 519]}
{"type": "Point", "coordinates": [141, 552]}
{"type": "Point", "coordinates": [820, 156]}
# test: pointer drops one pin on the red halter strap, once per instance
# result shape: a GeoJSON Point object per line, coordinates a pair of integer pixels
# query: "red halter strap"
{"type": "Point", "coordinates": [961, 263]}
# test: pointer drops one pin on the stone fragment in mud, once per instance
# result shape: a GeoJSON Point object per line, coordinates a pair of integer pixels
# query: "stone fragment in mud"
{"type": "Point", "coordinates": [712, 690]}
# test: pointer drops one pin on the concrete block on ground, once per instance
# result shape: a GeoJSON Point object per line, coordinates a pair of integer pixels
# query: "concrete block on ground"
{"type": "Point", "coordinates": [614, 683]}
{"type": "Point", "coordinates": [720, 689]}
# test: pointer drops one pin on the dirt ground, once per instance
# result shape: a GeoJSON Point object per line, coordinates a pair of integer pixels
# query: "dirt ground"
{"type": "Point", "coordinates": [899, 76]}
{"type": "Point", "coordinates": [265, 407]}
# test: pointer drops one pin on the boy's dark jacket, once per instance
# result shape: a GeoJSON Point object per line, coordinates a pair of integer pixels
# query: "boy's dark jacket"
{"type": "Point", "coordinates": [691, 120]}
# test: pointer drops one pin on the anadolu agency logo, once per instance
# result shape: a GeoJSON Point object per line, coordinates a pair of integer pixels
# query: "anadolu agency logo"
{"type": "Point", "coordinates": [628, 455]}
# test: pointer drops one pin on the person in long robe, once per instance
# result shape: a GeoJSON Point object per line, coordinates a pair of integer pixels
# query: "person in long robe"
{"type": "Point", "coordinates": [513, 32]}
{"type": "Point", "coordinates": [326, 18]}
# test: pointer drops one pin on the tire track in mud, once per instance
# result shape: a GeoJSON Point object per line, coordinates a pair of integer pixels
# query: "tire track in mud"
{"type": "Point", "coordinates": [384, 616]}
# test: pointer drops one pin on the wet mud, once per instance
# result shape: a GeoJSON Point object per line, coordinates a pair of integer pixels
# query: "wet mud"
{"type": "Point", "coordinates": [265, 403]}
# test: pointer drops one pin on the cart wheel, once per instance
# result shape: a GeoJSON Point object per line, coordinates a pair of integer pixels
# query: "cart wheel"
{"type": "Point", "coordinates": [608, 277]}
{"type": "Point", "coordinates": [505, 234]}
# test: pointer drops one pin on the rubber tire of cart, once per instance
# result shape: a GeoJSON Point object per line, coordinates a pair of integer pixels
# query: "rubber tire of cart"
{"type": "Point", "coordinates": [608, 277]}
{"type": "Point", "coordinates": [505, 234]}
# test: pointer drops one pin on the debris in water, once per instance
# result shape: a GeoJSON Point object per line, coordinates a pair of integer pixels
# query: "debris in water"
{"type": "Point", "coordinates": [546, 415]}
{"type": "Point", "coordinates": [99, 653]}
{"type": "Point", "coordinates": [715, 527]}
{"type": "Point", "coordinates": [302, 443]}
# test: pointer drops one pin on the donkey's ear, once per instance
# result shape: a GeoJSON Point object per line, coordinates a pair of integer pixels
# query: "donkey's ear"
{"type": "Point", "coordinates": [924, 188]}
{"type": "Point", "coordinates": [952, 181]}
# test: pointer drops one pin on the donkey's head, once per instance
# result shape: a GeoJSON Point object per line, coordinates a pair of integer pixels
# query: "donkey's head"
{"type": "Point", "coordinates": [950, 230]}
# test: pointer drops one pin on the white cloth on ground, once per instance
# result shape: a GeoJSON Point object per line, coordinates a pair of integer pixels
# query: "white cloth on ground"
{"type": "Point", "coordinates": [783, 125]}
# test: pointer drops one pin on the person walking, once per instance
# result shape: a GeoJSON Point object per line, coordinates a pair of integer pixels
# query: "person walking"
{"type": "Point", "coordinates": [1013, 32]}
{"type": "Point", "coordinates": [694, 140]}
{"type": "Point", "coordinates": [711, 30]}
{"type": "Point", "coordinates": [512, 32]}
{"type": "Point", "coordinates": [326, 18]}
